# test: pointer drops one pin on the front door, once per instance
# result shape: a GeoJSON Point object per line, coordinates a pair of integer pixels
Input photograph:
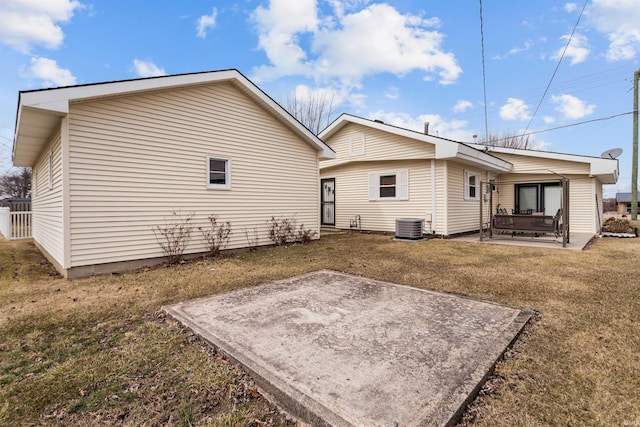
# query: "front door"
{"type": "Point", "coordinates": [328, 201]}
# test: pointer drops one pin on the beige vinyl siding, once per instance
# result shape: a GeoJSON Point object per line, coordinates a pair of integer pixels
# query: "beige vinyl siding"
{"type": "Point", "coordinates": [378, 146]}
{"type": "Point", "coordinates": [47, 204]}
{"type": "Point", "coordinates": [582, 205]}
{"type": "Point", "coordinates": [135, 159]}
{"type": "Point", "coordinates": [463, 215]}
{"type": "Point", "coordinates": [352, 194]}
{"type": "Point", "coordinates": [599, 206]}
{"type": "Point", "coordinates": [442, 191]}
{"type": "Point", "coordinates": [531, 165]}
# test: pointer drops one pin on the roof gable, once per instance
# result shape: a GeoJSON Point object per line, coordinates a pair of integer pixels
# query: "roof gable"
{"type": "Point", "coordinates": [39, 111]}
{"type": "Point", "coordinates": [444, 148]}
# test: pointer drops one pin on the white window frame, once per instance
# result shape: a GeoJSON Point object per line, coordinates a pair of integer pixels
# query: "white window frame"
{"type": "Point", "coordinates": [467, 185]}
{"type": "Point", "coordinates": [227, 173]}
{"type": "Point", "coordinates": [359, 137]}
{"type": "Point", "coordinates": [50, 177]}
{"type": "Point", "coordinates": [402, 185]}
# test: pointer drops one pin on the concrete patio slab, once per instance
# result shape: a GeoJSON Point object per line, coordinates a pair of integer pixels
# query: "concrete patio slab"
{"type": "Point", "coordinates": [341, 350]}
{"type": "Point", "coordinates": [577, 241]}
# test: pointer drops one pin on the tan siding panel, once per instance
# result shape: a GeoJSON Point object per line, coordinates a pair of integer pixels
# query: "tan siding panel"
{"type": "Point", "coordinates": [378, 146]}
{"type": "Point", "coordinates": [135, 159]}
{"type": "Point", "coordinates": [47, 202]}
{"type": "Point", "coordinates": [464, 215]}
{"type": "Point", "coordinates": [352, 195]}
{"type": "Point", "coordinates": [532, 165]}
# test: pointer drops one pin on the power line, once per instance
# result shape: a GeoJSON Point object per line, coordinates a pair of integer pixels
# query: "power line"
{"type": "Point", "coordinates": [564, 51]}
{"type": "Point", "coordinates": [484, 77]}
{"type": "Point", "coordinates": [525, 133]}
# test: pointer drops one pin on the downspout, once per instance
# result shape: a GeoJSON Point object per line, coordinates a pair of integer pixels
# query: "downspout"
{"type": "Point", "coordinates": [433, 196]}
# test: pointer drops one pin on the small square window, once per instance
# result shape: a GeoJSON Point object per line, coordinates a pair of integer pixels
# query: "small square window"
{"type": "Point", "coordinates": [218, 173]}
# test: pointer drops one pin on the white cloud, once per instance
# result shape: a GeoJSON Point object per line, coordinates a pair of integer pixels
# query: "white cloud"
{"type": "Point", "coordinates": [618, 20]}
{"type": "Point", "coordinates": [392, 93]}
{"type": "Point", "coordinates": [515, 109]}
{"type": "Point", "coordinates": [572, 107]}
{"type": "Point", "coordinates": [25, 23]}
{"type": "Point", "coordinates": [570, 7]}
{"type": "Point", "coordinates": [515, 50]}
{"type": "Point", "coordinates": [548, 119]}
{"type": "Point", "coordinates": [205, 22]}
{"type": "Point", "coordinates": [438, 126]}
{"type": "Point", "coordinates": [50, 73]}
{"type": "Point", "coordinates": [147, 68]}
{"type": "Point", "coordinates": [462, 105]}
{"type": "Point", "coordinates": [380, 40]}
{"type": "Point", "coordinates": [578, 49]}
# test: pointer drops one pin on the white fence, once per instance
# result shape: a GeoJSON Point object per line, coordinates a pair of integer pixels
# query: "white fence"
{"type": "Point", "coordinates": [15, 225]}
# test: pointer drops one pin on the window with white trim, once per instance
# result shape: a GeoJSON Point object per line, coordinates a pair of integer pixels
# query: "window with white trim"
{"type": "Point", "coordinates": [218, 173]}
{"type": "Point", "coordinates": [50, 179]}
{"type": "Point", "coordinates": [471, 185]}
{"type": "Point", "coordinates": [392, 185]}
{"type": "Point", "coordinates": [356, 144]}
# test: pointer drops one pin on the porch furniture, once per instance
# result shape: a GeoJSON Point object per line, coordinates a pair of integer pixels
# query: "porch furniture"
{"type": "Point", "coordinates": [519, 223]}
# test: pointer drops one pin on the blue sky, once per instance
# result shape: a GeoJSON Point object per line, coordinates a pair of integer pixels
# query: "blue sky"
{"type": "Point", "coordinates": [405, 62]}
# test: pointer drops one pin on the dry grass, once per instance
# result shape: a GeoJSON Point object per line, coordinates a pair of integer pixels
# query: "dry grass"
{"type": "Point", "coordinates": [96, 351]}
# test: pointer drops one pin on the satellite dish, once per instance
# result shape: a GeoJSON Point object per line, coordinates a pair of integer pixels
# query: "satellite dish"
{"type": "Point", "coordinates": [613, 153]}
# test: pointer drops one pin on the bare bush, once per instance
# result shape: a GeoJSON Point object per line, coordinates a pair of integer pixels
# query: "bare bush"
{"type": "Point", "coordinates": [613, 225]}
{"type": "Point", "coordinates": [252, 238]}
{"type": "Point", "coordinates": [216, 235]}
{"type": "Point", "coordinates": [305, 236]}
{"type": "Point", "coordinates": [174, 235]}
{"type": "Point", "coordinates": [282, 231]}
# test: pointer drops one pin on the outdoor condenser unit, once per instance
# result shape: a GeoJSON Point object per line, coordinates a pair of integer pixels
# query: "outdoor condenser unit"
{"type": "Point", "coordinates": [409, 228]}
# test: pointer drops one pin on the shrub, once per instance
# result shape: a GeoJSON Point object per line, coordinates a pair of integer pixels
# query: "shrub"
{"type": "Point", "coordinates": [305, 236]}
{"type": "Point", "coordinates": [614, 225]}
{"type": "Point", "coordinates": [173, 236]}
{"type": "Point", "coordinates": [216, 235]}
{"type": "Point", "coordinates": [252, 238]}
{"type": "Point", "coordinates": [282, 231]}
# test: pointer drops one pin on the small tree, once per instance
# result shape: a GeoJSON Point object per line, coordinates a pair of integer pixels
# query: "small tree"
{"type": "Point", "coordinates": [16, 184]}
{"type": "Point", "coordinates": [174, 235]}
{"type": "Point", "coordinates": [313, 109]}
{"type": "Point", "coordinates": [216, 235]}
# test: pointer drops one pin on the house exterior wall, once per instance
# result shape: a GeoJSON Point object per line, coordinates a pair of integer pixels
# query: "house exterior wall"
{"type": "Point", "coordinates": [538, 165]}
{"type": "Point", "coordinates": [463, 215]}
{"type": "Point", "coordinates": [352, 194]}
{"type": "Point", "coordinates": [378, 146]}
{"type": "Point", "coordinates": [135, 159]}
{"type": "Point", "coordinates": [47, 201]}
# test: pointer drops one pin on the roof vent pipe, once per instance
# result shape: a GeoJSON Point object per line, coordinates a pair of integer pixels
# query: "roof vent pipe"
{"type": "Point", "coordinates": [426, 128]}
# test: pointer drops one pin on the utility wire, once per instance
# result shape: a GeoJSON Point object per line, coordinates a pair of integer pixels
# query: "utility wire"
{"type": "Point", "coordinates": [525, 133]}
{"type": "Point", "coordinates": [484, 77]}
{"type": "Point", "coordinates": [564, 51]}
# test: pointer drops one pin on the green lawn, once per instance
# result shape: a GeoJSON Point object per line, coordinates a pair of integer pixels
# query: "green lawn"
{"type": "Point", "coordinates": [98, 350]}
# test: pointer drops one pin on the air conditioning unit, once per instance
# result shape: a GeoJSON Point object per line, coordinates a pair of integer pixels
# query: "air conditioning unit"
{"type": "Point", "coordinates": [409, 228]}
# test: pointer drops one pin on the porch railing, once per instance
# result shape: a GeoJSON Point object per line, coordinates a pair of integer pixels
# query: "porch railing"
{"type": "Point", "coordinates": [15, 225]}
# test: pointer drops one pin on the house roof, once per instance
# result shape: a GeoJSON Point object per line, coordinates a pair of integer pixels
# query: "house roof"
{"type": "Point", "coordinates": [39, 111]}
{"type": "Point", "coordinates": [606, 170]}
{"type": "Point", "coordinates": [625, 197]}
{"type": "Point", "coordinates": [445, 148]}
